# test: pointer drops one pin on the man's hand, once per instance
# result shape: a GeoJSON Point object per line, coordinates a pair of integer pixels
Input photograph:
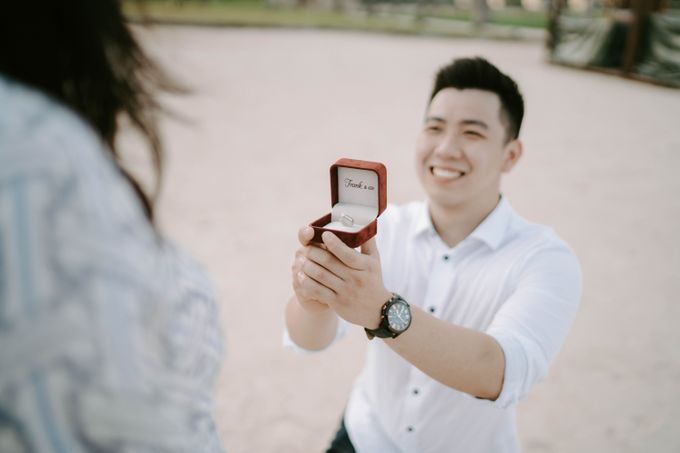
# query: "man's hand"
{"type": "Point", "coordinates": [310, 321]}
{"type": "Point", "coordinates": [305, 292]}
{"type": "Point", "coordinates": [347, 281]}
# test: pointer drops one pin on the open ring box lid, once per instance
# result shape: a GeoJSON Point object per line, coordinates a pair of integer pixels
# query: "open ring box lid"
{"type": "Point", "coordinates": [358, 197]}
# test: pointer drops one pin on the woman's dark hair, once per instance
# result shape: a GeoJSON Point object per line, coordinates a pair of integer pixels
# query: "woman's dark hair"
{"type": "Point", "coordinates": [82, 53]}
{"type": "Point", "coordinates": [477, 73]}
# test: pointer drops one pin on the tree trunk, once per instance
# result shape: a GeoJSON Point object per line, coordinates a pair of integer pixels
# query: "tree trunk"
{"type": "Point", "coordinates": [480, 13]}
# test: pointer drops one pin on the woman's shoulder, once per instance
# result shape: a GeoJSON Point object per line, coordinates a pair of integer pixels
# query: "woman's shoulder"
{"type": "Point", "coordinates": [49, 147]}
{"type": "Point", "coordinates": [39, 134]}
{"type": "Point", "coordinates": [57, 172]}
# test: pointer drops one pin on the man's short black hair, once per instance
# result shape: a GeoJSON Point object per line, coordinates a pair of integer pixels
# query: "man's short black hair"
{"type": "Point", "coordinates": [478, 73]}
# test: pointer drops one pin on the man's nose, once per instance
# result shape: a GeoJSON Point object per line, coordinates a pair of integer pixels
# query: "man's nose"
{"type": "Point", "coordinates": [448, 147]}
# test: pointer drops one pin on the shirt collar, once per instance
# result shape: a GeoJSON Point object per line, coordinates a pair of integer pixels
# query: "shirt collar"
{"type": "Point", "coordinates": [491, 231]}
{"type": "Point", "coordinates": [423, 224]}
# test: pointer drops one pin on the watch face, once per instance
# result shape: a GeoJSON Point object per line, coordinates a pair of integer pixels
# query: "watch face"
{"type": "Point", "coordinates": [398, 316]}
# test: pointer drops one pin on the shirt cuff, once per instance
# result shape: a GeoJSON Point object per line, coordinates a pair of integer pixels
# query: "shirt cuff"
{"type": "Point", "coordinates": [516, 367]}
{"type": "Point", "coordinates": [339, 334]}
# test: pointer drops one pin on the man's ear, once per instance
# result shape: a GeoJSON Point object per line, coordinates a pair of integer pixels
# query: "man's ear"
{"type": "Point", "coordinates": [513, 152]}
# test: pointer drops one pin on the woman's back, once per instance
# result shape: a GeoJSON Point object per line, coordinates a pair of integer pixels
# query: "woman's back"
{"type": "Point", "coordinates": [109, 335]}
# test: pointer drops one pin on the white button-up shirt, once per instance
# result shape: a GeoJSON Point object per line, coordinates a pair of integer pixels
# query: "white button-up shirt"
{"type": "Point", "coordinates": [517, 281]}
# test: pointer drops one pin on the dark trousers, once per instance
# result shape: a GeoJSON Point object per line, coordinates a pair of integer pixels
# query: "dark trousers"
{"type": "Point", "coordinates": [341, 443]}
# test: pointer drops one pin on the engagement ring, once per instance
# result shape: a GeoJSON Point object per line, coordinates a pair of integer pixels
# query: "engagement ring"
{"type": "Point", "coordinates": [347, 220]}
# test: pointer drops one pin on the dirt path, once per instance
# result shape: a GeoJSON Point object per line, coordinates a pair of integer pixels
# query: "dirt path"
{"type": "Point", "coordinates": [272, 109]}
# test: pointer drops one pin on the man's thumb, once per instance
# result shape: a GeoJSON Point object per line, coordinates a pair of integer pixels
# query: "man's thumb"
{"type": "Point", "coordinates": [369, 247]}
{"type": "Point", "coordinates": [305, 234]}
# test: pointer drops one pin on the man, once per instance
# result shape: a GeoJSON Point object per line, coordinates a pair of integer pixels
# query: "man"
{"type": "Point", "coordinates": [478, 301]}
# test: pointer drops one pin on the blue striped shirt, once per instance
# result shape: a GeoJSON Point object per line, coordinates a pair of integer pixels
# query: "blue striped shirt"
{"type": "Point", "coordinates": [109, 339]}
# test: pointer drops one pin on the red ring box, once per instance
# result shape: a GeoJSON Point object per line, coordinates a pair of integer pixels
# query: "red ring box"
{"type": "Point", "coordinates": [359, 193]}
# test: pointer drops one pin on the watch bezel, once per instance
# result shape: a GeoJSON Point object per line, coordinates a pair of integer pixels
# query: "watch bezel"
{"type": "Point", "coordinates": [384, 329]}
{"type": "Point", "coordinates": [397, 300]}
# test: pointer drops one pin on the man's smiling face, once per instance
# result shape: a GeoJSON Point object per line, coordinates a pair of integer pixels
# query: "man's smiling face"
{"type": "Point", "coordinates": [463, 147]}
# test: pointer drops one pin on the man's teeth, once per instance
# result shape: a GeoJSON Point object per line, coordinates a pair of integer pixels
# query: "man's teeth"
{"type": "Point", "coordinates": [443, 173]}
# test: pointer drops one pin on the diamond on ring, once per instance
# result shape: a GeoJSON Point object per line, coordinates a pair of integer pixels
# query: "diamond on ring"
{"type": "Point", "coordinates": [346, 220]}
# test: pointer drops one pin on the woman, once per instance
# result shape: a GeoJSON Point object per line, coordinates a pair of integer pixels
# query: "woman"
{"type": "Point", "coordinates": [108, 335]}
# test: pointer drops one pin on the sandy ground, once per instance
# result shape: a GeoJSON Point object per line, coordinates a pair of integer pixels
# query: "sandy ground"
{"type": "Point", "coordinates": [272, 109]}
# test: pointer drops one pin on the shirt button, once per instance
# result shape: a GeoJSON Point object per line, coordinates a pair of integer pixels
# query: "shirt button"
{"type": "Point", "coordinates": [409, 429]}
{"type": "Point", "coordinates": [416, 391]}
{"type": "Point", "coordinates": [446, 257]}
{"type": "Point", "coordinates": [431, 309]}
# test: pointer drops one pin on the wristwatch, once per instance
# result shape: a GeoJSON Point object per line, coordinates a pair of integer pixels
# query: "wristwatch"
{"type": "Point", "coordinates": [395, 318]}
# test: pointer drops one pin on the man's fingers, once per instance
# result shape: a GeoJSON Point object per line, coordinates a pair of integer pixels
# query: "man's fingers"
{"type": "Point", "coordinates": [322, 275]}
{"type": "Point", "coordinates": [370, 248]}
{"type": "Point", "coordinates": [312, 289]}
{"type": "Point", "coordinates": [345, 254]}
{"type": "Point", "coordinates": [305, 234]}
{"type": "Point", "coordinates": [323, 257]}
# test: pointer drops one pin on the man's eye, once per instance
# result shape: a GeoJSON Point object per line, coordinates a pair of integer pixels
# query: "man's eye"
{"type": "Point", "coordinates": [473, 134]}
{"type": "Point", "coordinates": [433, 128]}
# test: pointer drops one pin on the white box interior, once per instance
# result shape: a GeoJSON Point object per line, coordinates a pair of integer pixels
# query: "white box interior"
{"type": "Point", "coordinates": [357, 198]}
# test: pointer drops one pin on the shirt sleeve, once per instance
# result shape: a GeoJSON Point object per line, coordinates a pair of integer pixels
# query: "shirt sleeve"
{"type": "Point", "coordinates": [340, 333]}
{"type": "Point", "coordinates": [533, 323]}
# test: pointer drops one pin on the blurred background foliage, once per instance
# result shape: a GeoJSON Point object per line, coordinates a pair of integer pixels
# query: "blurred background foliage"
{"type": "Point", "coordinates": [452, 17]}
{"type": "Point", "coordinates": [634, 38]}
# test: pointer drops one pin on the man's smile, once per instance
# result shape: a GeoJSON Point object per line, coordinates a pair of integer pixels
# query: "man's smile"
{"type": "Point", "coordinates": [446, 173]}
